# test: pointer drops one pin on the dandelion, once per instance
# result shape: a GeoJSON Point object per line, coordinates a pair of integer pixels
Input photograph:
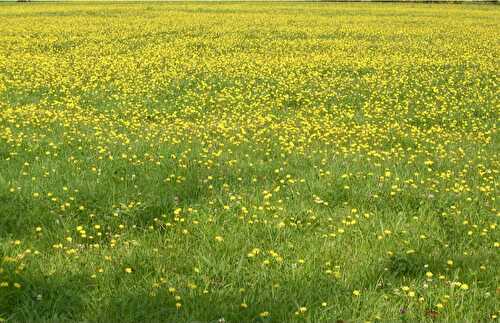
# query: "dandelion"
{"type": "Point", "coordinates": [301, 310]}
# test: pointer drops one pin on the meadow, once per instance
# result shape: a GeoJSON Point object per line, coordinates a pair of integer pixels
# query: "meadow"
{"type": "Point", "coordinates": [249, 162]}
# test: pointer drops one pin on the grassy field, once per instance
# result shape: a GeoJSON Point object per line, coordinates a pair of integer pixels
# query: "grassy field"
{"type": "Point", "coordinates": [237, 162]}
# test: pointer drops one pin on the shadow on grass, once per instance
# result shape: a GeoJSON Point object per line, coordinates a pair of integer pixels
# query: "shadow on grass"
{"type": "Point", "coordinates": [60, 298]}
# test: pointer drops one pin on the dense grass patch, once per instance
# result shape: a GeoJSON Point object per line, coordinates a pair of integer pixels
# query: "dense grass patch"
{"type": "Point", "coordinates": [237, 162]}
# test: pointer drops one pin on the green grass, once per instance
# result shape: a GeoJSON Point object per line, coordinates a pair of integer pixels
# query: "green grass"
{"type": "Point", "coordinates": [249, 162]}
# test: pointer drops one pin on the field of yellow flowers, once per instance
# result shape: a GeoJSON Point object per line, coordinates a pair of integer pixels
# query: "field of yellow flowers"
{"type": "Point", "coordinates": [238, 162]}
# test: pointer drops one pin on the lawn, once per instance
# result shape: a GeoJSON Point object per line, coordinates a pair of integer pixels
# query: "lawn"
{"type": "Point", "coordinates": [249, 162]}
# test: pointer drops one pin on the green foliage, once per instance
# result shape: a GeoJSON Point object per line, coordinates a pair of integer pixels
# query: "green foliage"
{"type": "Point", "coordinates": [248, 162]}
